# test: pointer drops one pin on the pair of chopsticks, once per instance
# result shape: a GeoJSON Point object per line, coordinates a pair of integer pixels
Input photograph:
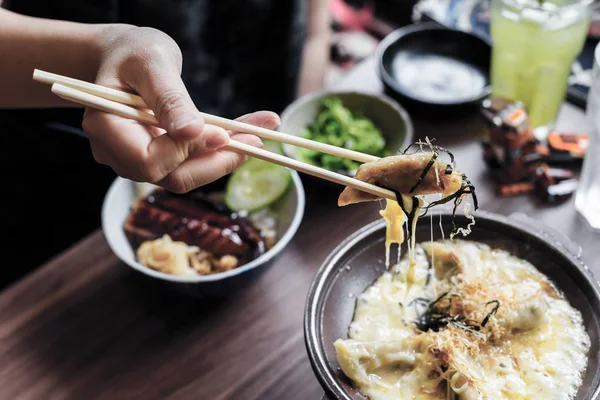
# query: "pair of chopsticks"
{"type": "Point", "coordinates": [128, 105]}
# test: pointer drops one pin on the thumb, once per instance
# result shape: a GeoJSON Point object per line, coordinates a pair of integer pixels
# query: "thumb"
{"type": "Point", "coordinates": [165, 93]}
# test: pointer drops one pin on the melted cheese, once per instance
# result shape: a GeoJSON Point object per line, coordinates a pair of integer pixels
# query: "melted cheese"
{"type": "Point", "coordinates": [394, 219]}
{"type": "Point", "coordinates": [415, 211]}
{"type": "Point", "coordinates": [533, 347]}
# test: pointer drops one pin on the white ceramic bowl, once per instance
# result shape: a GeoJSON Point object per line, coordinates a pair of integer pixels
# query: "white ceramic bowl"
{"type": "Point", "coordinates": [394, 122]}
{"type": "Point", "coordinates": [117, 206]}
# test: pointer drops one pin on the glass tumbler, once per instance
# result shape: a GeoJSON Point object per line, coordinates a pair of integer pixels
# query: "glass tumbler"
{"type": "Point", "coordinates": [534, 45]}
{"type": "Point", "coordinates": [587, 198]}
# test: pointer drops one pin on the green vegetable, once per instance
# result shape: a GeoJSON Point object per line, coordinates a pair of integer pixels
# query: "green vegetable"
{"type": "Point", "coordinates": [257, 184]}
{"type": "Point", "coordinates": [339, 126]}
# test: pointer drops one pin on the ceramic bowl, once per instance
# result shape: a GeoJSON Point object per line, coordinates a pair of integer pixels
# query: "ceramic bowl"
{"type": "Point", "coordinates": [118, 203]}
{"type": "Point", "coordinates": [393, 120]}
{"type": "Point", "coordinates": [435, 71]}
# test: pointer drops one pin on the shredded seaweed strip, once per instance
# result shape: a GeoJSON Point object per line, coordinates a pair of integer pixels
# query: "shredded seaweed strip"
{"type": "Point", "coordinates": [494, 309]}
{"type": "Point", "coordinates": [425, 171]}
{"type": "Point", "coordinates": [439, 298]}
{"type": "Point", "coordinates": [466, 188]}
{"type": "Point", "coordinates": [432, 318]}
{"type": "Point", "coordinates": [420, 302]}
{"type": "Point", "coordinates": [433, 148]}
{"type": "Point", "coordinates": [435, 319]}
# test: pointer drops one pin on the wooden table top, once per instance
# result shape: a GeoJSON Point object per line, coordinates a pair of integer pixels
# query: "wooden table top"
{"type": "Point", "coordinates": [81, 327]}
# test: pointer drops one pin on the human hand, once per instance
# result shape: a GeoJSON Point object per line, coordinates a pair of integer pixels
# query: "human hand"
{"type": "Point", "coordinates": [184, 155]}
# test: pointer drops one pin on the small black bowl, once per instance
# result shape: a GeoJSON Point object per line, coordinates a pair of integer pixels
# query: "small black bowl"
{"type": "Point", "coordinates": [435, 71]}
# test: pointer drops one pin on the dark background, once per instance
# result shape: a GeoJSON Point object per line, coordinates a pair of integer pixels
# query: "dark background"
{"type": "Point", "coordinates": [53, 189]}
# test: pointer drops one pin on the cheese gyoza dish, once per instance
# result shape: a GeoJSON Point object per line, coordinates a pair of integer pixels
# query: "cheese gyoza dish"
{"type": "Point", "coordinates": [476, 323]}
{"type": "Point", "coordinates": [456, 319]}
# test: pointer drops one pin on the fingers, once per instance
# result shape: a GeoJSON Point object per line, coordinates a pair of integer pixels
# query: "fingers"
{"type": "Point", "coordinates": [247, 138]}
{"type": "Point", "coordinates": [206, 167]}
{"type": "Point", "coordinates": [169, 153]}
{"type": "Point", "coordinates": [101, 156]}
{"type": "Point", "coordinates": [143, 154]}
{"type": "Point", "coordinates": [162, 88]}
{"type": "Point", "coordinates": [122, 138]}
{"type": "Point", "coordinates": [134, 151]}
{"type": "Point", "coordinates": [263, 119]}
{"type": "Point", "coordinates": [187, 153]}
{"type": "Point", "coordinates": [149, 62]}
{"type": "Point", "coordinates": [167, 96]}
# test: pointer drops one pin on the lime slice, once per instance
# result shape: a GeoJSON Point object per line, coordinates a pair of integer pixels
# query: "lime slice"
{"type": "Point", "coordinates": [251, 189]}
{"type": "Point", "coordinates": [255, 163]}
{"type": "Point", "coordinates": [272, 146]}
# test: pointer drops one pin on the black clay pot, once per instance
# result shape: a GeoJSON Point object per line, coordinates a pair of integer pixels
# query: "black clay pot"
{"type": "Point", "coordinates": [358, 261]}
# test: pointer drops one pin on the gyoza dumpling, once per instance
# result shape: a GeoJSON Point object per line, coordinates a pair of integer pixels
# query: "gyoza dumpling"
{"type": "Point", "coordinates": [402, 173]}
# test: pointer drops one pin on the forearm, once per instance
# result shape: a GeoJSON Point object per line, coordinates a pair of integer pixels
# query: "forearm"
{"type": "Point", "coordinates": [61, 47]}
{"type": "Point", "coordinates": [315, 59]}
{"type": "Point", "coordinates": [314, 65]}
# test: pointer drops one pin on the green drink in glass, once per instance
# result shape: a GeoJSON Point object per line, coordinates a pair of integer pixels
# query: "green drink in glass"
{"type": "Point", "coordinates": [535, 43]}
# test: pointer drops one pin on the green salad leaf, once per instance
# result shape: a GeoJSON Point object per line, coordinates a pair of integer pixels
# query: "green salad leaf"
{"type": "Point", "coordinates": [339, 126]}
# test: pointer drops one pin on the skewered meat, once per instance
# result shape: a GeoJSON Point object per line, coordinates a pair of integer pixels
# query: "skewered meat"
{"type": "Point", "coordinates": [195, 220]}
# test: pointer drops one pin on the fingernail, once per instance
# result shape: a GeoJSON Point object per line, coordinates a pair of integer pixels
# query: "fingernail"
{"type": "Point", "coordinates": [270, 124]}
{"type": "Point", "coordinates": [215, 142]}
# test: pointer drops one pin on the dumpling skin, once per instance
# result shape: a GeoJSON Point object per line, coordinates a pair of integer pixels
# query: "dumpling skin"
{"type": "Point", "coordinates": [401, 173]}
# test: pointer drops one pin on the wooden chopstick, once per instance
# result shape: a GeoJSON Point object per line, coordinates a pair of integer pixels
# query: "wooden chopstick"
{"type": "Point", "coordinates": [110, 106]}
{"type": "Point", "coordinates": [101, 91]}
{"type": "Point", "coordinates": [136, 101]}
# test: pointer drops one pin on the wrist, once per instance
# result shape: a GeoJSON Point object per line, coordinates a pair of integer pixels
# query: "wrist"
{"type": "Point", "coordinates": [62, 47]}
